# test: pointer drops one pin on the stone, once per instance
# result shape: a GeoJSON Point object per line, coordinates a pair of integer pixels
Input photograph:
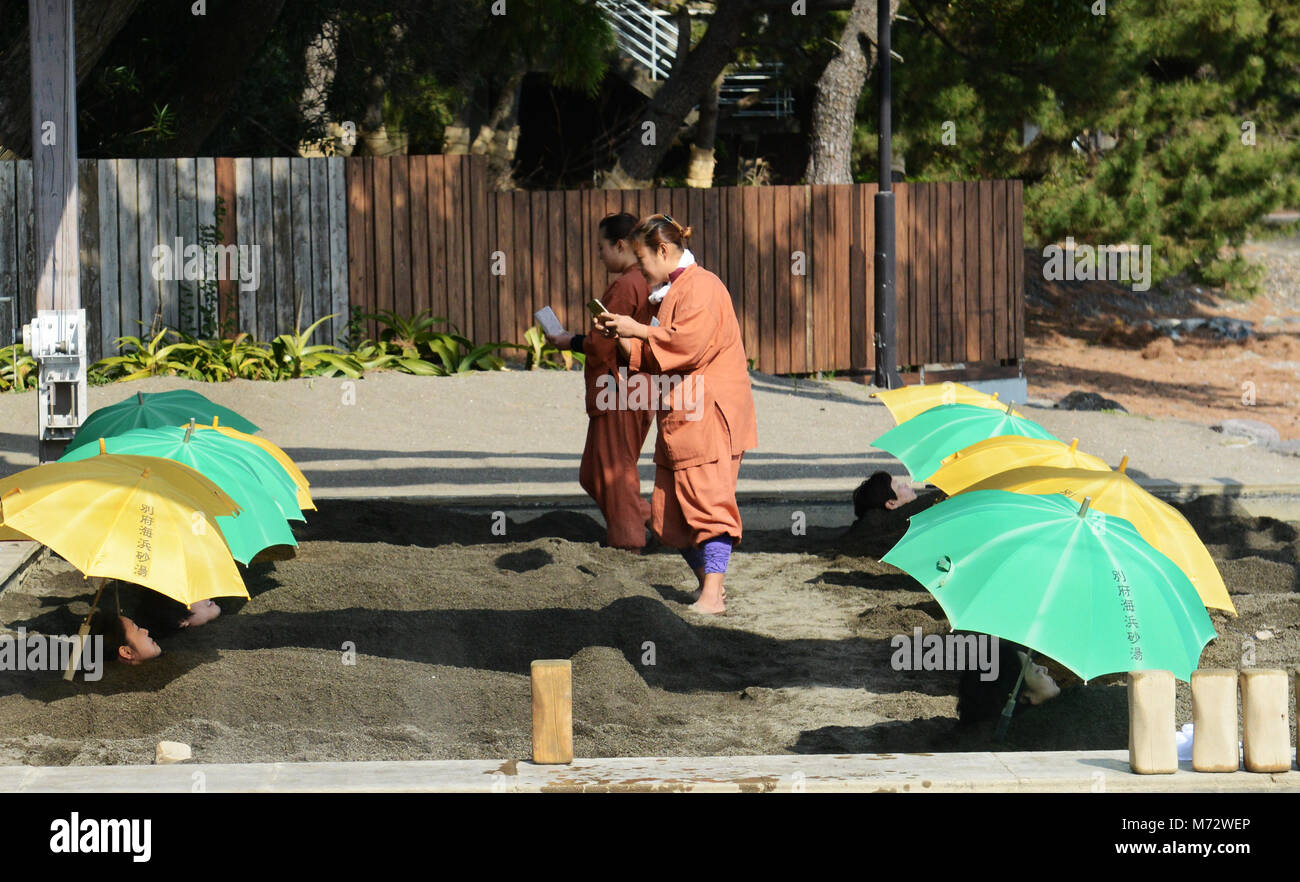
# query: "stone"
{"type": "Point", "coordinates": [169, 752]}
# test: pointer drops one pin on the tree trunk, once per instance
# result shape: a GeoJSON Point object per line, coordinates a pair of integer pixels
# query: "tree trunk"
{"type": "Point", "coordinates": [835, 107]}
{"type": "Point", "coordinates": [504, 127]}
{"type": "Point", "coordinates": [96, 23]}
{"type": "Point", "coordinates": [651, 138]}
{"type": "Point", "coordinates": [700, 171]}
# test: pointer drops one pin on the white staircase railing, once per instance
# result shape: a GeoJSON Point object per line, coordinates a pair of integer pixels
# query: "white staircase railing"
{"type": "Point", "coordinates": [649, 37]}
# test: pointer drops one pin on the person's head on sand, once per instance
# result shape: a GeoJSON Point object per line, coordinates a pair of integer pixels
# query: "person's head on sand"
{"type": "Point", "coordinates": [979, 700]}
{"type": "Point", "coordinates": [163, 616]}
{"type": "Point", "coordinates": [882, 490]}
{"type": "Point", "coordinates": [658, 242]}
{"type": "Point", "coordinates": [612, 243]}
{"type": "Point", "coordinates": [123, 638]}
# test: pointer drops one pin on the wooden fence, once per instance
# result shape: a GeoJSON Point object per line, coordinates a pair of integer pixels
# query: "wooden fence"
{"type": "Point", "coordinates": [409, 233]}
{"type": "Point", "coordinates": [426, 233]}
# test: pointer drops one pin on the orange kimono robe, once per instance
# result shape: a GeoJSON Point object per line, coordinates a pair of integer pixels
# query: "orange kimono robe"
{"type": "Point", "coordinates": [615, 436]}
{"type": "Point", "coordinates": [706, 416]}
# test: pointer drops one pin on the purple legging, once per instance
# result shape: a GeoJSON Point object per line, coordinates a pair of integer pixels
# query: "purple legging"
{"type": "Point", "coordinates": [713, 555]}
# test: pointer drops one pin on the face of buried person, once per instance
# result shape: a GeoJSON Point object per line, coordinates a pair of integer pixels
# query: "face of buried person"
{"type": "Point", "coordinates": [139, 646]}
{"type": "Point", "coordinates": [1039, 685]}
{"type": "Point", "coordinates": [903, 492]}
{"type": "Point", "coordinates": [201, 613]}
{"type": "Point", "coordinates": [657, 263]}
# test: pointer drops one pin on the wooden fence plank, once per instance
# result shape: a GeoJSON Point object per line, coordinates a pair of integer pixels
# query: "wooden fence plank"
{"type": "Point", "coordinates": [88, 257]}
{"type": "Point", "coordinates": [27, 270]}
{"type": "Point", "coordinates": [187, 225]}
{"type": "Point", "coordinates": [418, 170]}
{"type": "Point", "coordinates": [902, 289]}
{"type": "Point", "coordinates": [869, 273]}
{"type": "Point", "coordinates": [338, 244]}
{"type": "Point", "coordinates": [781, 267]}
{"type": "Point", "coordinates": [480, 258]}
{"type": "Point", "coordinates": [577, 230]}
{"type": "Point", "coordinates": [857, 287]}
{"type": "Point", "coordinates": [358, 254]}
{"type": "Point", "coordinates": [317, 281]}
{"type": "Point", "coordinates": [454, 212]}
{"type": "Point", "coordinates": [282, 243]}
{"type": "Point", "coordinates": [943, 271]}
{"type": "Point", "coordinates": [110, 281]}
{"type": "Point", "coordinates": [521, 205]}
{"type": "Point", "coordinates": [304, 303]}
{"type": "Point", "coordinates": [988, 341]}
{"type": "Point", "coordinates": [168, 287]}
{"type": "Point", "coordinates": [9, 320]}
{"type": "Point", "coordinates": [800, 302]}
{"type": "Point", "coordinates": [1000, 275]}
{"type": "Point", "coordinates": [506, 288]}
{"type": "Point", "coordinates": [147, 201]}
{"type": "Point", "coordinates": [764, 252]}
{"type": "Point", "coordinates": [841, 207]}
{"type": "Point", "coordinates": [438, 271]}
{"type": "Point", "coordinates": [753, 305]}
{"type": "Point", "coordinates": [1017, 264]}
{"type": "Point", "coordinates": [821, 277]}
{"type": "Point", "coordinates": [381, 203]}
{"type": "Point", "coordinates": [264, 238]}
{"type": "Point", "coordinates": [922, 266]}
{"type": "Point", "coordinates": [241, 210]}
{"type": "Point", "coordinates": [556, 290]}
{"type": "Point", "coordinates": [971, 268]}
{"type": "Point", "coordinates": [403, 302]}
{"type": "Point", "coordinates": [128, 243]}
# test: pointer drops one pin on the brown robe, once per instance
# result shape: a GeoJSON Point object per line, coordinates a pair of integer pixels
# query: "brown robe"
{"type": "Point", "coordinates": [707, 419]}
{"type": "Point", "coordinates": [614, 437]}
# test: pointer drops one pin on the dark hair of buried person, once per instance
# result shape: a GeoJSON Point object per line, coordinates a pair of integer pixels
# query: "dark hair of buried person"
{"type": "Point", "coordinates": [160, 615]}
{"type": "Point", "coordinates": [874, 492]}
{"type": "Point", "coordinates": [658, 229]}
{"type": "Point", "coordinates": [107, 623]}
{"type": "Point", "coordinates": [616, 227]}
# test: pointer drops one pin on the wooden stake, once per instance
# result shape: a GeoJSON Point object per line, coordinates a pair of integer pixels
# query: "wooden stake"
{"type": "Point", "coordinates": [1214, 720]}
{"type": "Point", "coordinates": [552, 711]}
{"type": "Point", "coordinates": [1266, 730]}
{"type": "Point", "coordinates": [74, 661]}
{"type": "Point", "coordinates": [1152, 745]}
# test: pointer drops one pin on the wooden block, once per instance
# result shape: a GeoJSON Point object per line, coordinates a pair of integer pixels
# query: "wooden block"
{"type": "Point", "coordinates": [1152, 748]}
{"type": "Point", "coordinates": [1266, 727]}
{"type": "Point", "coordinates": [552, 711]}
{"type": "Point", "coordinates": [1214, 720]}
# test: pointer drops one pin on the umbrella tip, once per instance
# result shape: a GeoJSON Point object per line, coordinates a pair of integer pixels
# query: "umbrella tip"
{"type": "Point", "coordinates": [1074, 445]}
{"type": "Point", "coordinates": [139, 396]}
{"type": "Point", "coordinates": [214, 421]}
{"type": "Point", "coordinates": [1010, 404]}
{"type": "Point", "coordinates": [1083, 509]}
{"type": "Point", "coordinates": [102, 447]}
{"type": "Point", "coordinates": [1123, 464]}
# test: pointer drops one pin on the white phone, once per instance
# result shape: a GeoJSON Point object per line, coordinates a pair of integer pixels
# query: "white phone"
{"type": "Point", "coordinates": [549, 321]}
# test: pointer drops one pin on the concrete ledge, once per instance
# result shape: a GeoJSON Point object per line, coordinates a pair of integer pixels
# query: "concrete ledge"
{"type": "Point", "coordinates": [1039, 772]}
{"type": "Point", "coordinates": [16, 558]}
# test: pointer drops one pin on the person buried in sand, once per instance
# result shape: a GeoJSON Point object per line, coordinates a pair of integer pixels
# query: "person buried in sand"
{"type": "Point", "coordinates": [706, 406]}
{"type": "Point", "coordinates": [882, 490]}
{"type": "Point", "coordinates": [614, 436]}
{"type": "Point", "coordinates": [123, 638]}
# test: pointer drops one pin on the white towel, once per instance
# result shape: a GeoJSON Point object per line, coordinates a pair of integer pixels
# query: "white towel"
{"type": "Point", "coordinates": [657, 295]}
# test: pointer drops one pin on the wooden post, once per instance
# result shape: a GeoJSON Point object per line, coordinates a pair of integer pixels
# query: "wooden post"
{"type": "Point", "coordinates": [1265, 718]}
{"type": "Point", "coordinates": [552, 711]}
{"type": "Point", "coordinates": [1152, 746]}
{"type": "Point", "coordinates": [1214, 720]}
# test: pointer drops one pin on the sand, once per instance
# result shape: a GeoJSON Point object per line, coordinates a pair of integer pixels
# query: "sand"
{"type": "Point", "coordinates": [446, 617]}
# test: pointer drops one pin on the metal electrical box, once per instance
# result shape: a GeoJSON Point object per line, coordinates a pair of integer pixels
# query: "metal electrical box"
{"type": "Point", "coordinates": [57, 340]}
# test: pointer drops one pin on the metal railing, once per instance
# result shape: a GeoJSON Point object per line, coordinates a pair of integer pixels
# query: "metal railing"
{"type": "Point", "coordinates": [649, 37]}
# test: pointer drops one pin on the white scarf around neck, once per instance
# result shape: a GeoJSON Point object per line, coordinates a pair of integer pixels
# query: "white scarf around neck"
{"type": "Point", "coordinates": [657, 295]}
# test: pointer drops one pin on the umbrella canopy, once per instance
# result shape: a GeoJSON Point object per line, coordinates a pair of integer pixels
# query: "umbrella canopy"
{"type": "Point", "coordinates": [212, 453]}
{"type": "Point", "coordinates": [1117, 494]}
{"type": "Point", "coordinates": [136, 518]}
{"type": "Point", "coordinates": [290, 467]}
{"type": "Point", "coordinates": [1078, 585]}
{"type": "Point", "coordinates": [147, 410]}
{"type": "Point", "coordinates": [923, 441]}
{"type": "Point", "coordinates": [910, 401]}
{"type": "Point", "coordinates": [260, 524]}
{"type": "Point", "coordinates": [989, 457]}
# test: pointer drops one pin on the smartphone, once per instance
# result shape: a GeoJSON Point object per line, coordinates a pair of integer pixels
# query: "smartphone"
{"type": "Point", "coordinates": [595, 307]}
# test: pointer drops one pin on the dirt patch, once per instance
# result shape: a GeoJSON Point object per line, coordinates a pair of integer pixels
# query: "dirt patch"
{"type": "Point", "coordinates": [445, 619]}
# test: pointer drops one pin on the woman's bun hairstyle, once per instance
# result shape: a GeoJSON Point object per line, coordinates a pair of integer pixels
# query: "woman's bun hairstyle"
{"type": "Point", "coordinates": [660, 228]}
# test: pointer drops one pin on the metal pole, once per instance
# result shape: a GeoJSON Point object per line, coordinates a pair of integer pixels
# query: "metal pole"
{"type": "Point", "coordinates": [886, 312]}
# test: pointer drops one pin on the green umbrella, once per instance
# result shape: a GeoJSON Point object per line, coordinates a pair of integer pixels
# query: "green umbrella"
{"type": "Point", "coordinates": [1080, 586]}
{"type": "Point", "coordinates": [260, 524]}
{"type": "Point", "coordinates": [148, 410]}
{"type": "Point", "coordinates": [926, 439]}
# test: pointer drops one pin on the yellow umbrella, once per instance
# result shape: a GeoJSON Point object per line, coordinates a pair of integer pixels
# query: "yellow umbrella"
{"type": "Point", "coordinates": [141, 519]}
{"type": "Point", "coordinates": [984, 459]}
{"type": "Point", "coordinates": [909, 401]}
{"type": "Point", "coordinates": [304, 497]}
{"type": "Point", "coordinates": [1117, 494]}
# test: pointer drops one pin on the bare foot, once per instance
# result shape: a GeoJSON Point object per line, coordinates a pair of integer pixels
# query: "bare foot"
{"type": "Point", "coordinates": [708, 610]}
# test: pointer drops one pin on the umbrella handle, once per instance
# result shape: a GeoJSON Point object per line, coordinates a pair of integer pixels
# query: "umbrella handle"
{"type": "Point", "coordinates": [1004, 722]}
{"type": "Point", "coordinates": [82, 633]}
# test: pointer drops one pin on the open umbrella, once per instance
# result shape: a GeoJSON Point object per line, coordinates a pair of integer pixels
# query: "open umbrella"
{"type": "Point", "coordinates": [986, 458]}
{"type": "Point", "coordinates": [1114, 492]}
{"type": "Point", "coordinates": [923, 441]}
{"type": "Point", "coordinates": [290, 467]}
{"type": "Point", "coordinates": [910, 401]}
{"type": "Point", "coordinates": [147, 410]}
{"type": "Point", "coordinates": [1081, 586]}
{"type": "Point", "coordinates": [260, 524]}
{"type": "Point", "coordinates": [225, 460]}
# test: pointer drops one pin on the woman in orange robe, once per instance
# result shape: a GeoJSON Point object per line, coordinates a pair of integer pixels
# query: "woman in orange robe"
{"type": "Point", "coordinates": [614, 436]}
{"type": "Point", "coordinates": [706, 416]}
